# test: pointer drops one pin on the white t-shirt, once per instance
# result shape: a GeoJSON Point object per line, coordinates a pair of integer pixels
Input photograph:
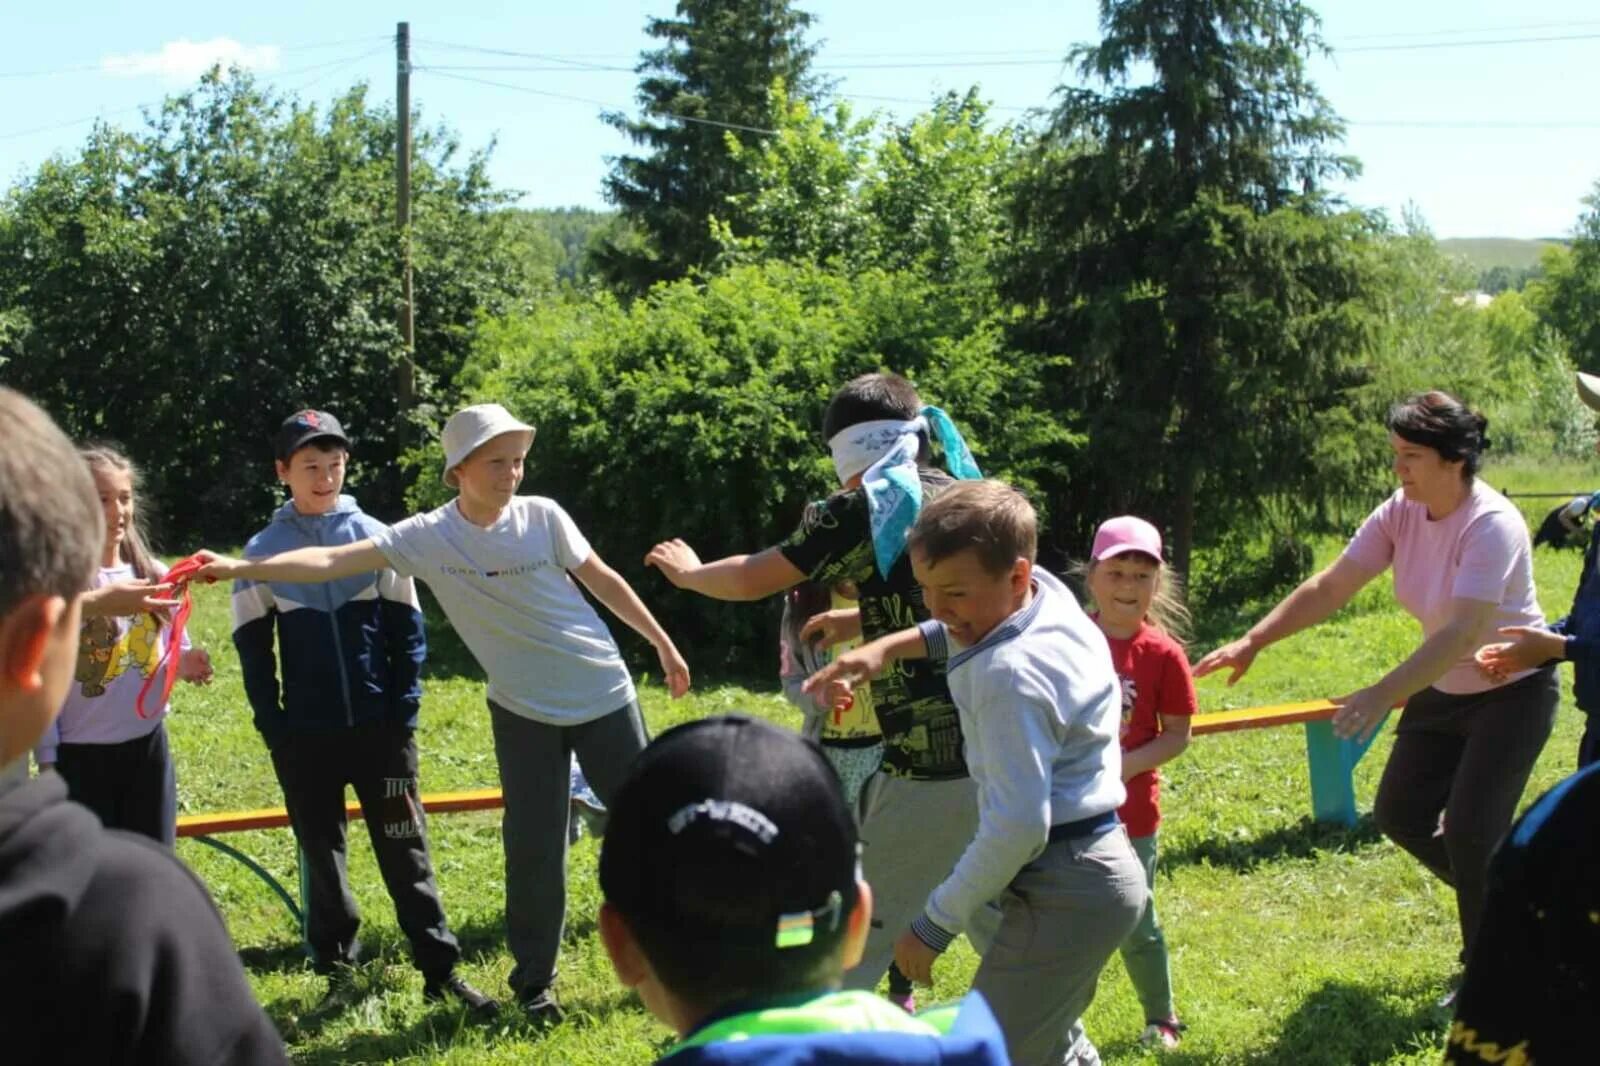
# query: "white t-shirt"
{"type": "Point", "coordinates": [506, 590]}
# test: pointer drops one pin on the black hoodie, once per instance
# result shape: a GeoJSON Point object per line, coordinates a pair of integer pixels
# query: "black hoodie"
{"type": "Point", "coordinates": [110, 950]}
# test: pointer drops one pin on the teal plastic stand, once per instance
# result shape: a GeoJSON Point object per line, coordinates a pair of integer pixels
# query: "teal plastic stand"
{"type": "Point", "coordinates": [1333, 762]}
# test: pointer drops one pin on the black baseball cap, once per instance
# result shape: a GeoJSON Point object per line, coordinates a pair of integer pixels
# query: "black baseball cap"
{"type": "Point", "coordinates": [303, 427]}
{"type": "Point", "coordinates": [731, 831]}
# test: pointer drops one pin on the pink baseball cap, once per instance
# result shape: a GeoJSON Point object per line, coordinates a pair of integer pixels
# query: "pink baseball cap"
{"type": "Point", "coordinates": [1126, 533]}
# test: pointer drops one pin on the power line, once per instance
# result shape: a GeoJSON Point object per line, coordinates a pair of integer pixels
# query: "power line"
{"type": "Point", "coordinates": [1513, 27]}
{"type": "Point", "coordinates": [597, 103]}
{"type": "Point", "coordinates": [332, 63]}
{"type": "Point", "coordinates": [1429, 45]}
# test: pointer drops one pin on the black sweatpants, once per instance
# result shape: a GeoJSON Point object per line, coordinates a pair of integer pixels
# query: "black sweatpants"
{"type": "Point", "coordinates": [1467, 757]}
{"type": "Point", "coordinates": [380, 762]}
{"type": "Point", "coordinates": [130, 785]}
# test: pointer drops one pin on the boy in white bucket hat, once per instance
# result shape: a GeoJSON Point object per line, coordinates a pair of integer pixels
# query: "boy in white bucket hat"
{"type": "Point", "coordinates": [501, 566]}
{"type": "Point", "coordinates": [1575, 637]}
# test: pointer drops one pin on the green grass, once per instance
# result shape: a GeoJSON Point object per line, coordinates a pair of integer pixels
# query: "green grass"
{"type": "Point", "coordinates": [1292, 942]}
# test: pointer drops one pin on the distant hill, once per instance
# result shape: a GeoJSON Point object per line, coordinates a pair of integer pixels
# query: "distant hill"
{"type": "Point", "coordinates": [1486, 253]}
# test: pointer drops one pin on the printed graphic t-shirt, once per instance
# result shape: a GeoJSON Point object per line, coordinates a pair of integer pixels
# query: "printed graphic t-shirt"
{"type": "Point", "coordinates": [115, 657]}
{"type": "Point", "coordinates": [921, 729]}
{"type": "Point", "coordinates": [506, 590]}
{"type": "Point", "coordinates": [1156, 684]}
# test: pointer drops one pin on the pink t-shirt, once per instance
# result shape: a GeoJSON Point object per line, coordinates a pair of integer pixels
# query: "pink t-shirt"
{"type": "Point", "coordinates": [1479, 551]}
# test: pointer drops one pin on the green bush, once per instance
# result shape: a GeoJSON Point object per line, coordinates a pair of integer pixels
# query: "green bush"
{"type": "Point", "coordinates": [696, 412]}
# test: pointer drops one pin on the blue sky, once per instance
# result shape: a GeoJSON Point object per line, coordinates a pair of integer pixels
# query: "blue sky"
{"type": "Point", "coordinates": [1486, 139]}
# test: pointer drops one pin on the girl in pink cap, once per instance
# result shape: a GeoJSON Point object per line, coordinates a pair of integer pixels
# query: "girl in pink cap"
{"type": "Point", "coordinates": [1139, 608]}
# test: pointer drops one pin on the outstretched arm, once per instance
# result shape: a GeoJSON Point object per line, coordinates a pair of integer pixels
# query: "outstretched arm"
{"type": "Point", "coordinates": [302, 565]}
{"type": "Point", "coordinates": [610, 589]}
{"type": "Point", "coordinates": [1318, 597]}
{"type": "Point", "coordinates": [738, 577]}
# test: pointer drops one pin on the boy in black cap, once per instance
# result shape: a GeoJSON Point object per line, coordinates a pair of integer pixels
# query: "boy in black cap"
{"type": "Point", "coordinates": [733, 905]}
{"type": "Point", "coordinates": [351, 654]}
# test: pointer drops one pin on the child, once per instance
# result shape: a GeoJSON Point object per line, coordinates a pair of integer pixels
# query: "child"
{"type": "Point", "coordinates": [115, 760]}
{"type": "Point", "coordinates": [1138, 609]}
{"type": "Point", "coordinates": [349, 654]}
{"type": "Point", "coordinates": [1575, 637]}
{"type": "Point", "coordinates": [920, 809]}
{"type": "Point", "coordinates": [113, 951]}
{"type": "Point", "coordinates": [1039, 707]}
{"type": "Point", "coordinates": [501, 566]}
{"type": "Point", "coordinates": [734, 902]}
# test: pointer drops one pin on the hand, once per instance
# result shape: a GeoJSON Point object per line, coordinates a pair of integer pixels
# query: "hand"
{"type": "Point", "coordinates": [194, 666]}
{"type": "Point", "coordinates": [832, 627]}
{"type": "Point", "coordinates": [128, 597]}
{"type": "Point", "coordinates": [1528, 647]}
{"type": "Point", "coordinates": [1236, 656]}
{"type": "Point", "coordinates": [674, 670]}
{"type": "Point", "coordinates": [1359, 714]}
{"type": "Point", "coordinates": [915, 958]}
{"type": "Point", "coordinates": [675, 559]}
{"type": "Point", "coordinates": [834, 685]}
{"type": "Point", "coordinates": [218, 567]}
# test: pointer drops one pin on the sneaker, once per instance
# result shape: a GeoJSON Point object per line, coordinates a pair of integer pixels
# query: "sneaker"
{"type": "Point", "coordinates": [456, 987]}
{"type": "Point", "coordinates": [1162, 1035]}
{"type": "Point", "coordinates": [541, 1007]}
{"type": "Point", "coordinates": [906, 1001]}
{"type": "Point", "coordinates": [343, 990]}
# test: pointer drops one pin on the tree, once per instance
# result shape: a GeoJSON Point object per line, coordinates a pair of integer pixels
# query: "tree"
{"type": "Point", "coordinates": [184, 287]}
{"type": "Point", "coordinates": [1568, 297]}
{"type": "Point", "coordinates": [706, 86]}
{"type": "Point", "coordinates": [1175, 243]}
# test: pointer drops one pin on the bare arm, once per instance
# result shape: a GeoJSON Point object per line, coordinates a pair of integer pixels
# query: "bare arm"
{"type": "Point", "coordinates": [299, 566]}
{"type": "Point", "coordinates": [610, 589]}
{"type": "Point", "coordinates": [1174, 737]}
{"type": "Point", "coordinates": [128, 597]}
{"type": "Point", "coordinates": [833, 686]}
{"type": "Point", "coordinates": [737, 577]}
{"type": "Point", "coordinates": [1318, 597]}
{"type": "Point", "coordinates": [1360, 712]}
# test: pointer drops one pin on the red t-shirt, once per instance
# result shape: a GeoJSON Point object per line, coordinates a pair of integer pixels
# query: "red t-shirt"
{"type": "Point", "coordinates": [1154, 672]}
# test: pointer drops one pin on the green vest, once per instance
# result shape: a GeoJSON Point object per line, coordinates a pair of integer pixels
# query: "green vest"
{"type": "Point", "coordinates": [832, 1012]}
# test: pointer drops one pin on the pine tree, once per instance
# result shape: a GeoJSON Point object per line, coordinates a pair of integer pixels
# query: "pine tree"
{"type": "Point", "coordinates": [1176, 242]}
{"type": "Point", "coordinates": [708, 81]}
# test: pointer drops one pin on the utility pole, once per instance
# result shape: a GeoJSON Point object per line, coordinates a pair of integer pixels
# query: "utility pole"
{"type": "Point", "coordinates": [405, 369]}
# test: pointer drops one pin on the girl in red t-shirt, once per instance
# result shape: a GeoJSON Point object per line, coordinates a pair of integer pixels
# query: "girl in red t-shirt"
{"type": "Point", "coordinates": [1137, 606]}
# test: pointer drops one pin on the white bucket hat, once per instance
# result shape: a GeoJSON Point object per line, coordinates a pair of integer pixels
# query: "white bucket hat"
{"type": "Point", "coordinates": [1589, 390]}
{"type": "Point", "coordinates": [471, 428]}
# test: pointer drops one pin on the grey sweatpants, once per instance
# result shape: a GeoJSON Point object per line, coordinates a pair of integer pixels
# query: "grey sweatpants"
{"type": "Point", "coordinates": [1061, 918]}
{"type": "Point", "coordinates": [535, 764]}
{"type": "Point", "coordinates": [912, 833]}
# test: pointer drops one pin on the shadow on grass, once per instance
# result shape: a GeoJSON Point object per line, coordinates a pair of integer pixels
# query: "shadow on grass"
{"type": "Point", "coordinates": [1302, 840]}
{"type": "Point", "coordinates": [1346, 1023]}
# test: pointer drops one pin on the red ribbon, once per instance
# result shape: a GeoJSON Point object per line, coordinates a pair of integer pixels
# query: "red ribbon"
{"type": "Point", "coordinates": [179, 576]}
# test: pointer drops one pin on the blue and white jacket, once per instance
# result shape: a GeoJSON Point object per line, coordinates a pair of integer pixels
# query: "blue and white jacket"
{"type": "Point", "coordinates": [351, 649]}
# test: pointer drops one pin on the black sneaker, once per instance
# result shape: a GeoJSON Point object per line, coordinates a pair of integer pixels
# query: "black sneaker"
{"type": "Point", "coordinates": [541, 1007]}
{"type": "Point", "coordinates": [344, 990]}
{"type": "Point", "coordinates": [456, 987]}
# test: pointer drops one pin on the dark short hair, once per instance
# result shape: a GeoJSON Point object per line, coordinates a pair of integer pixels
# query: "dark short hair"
{"type": "Point", "coordinates": [987, 517]}
{"type": "Point", "coordinates": [871, 398]}
{"type": "Point", "coordinates": [51, 528]}
{"type": "Point", "coordinates": [727, 832]}
{"type": "Point", "coordinates": [1439, 421]}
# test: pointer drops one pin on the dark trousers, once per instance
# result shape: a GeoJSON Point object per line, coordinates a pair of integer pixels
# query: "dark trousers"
{"type": "Point", "coordinates": [535, 760]}
{"type": "Point", "coordinates": [129, 785]}
{"type": "Point", "coordinates": [1468, 758]}
{"type": "Point", "coordinates": [1589, 744]}
{"type": "Point", "coordinates": [380, 763]}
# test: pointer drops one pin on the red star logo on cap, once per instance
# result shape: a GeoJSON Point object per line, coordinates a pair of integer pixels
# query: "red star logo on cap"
{"type": "Point", "coordinates": [310, 419]}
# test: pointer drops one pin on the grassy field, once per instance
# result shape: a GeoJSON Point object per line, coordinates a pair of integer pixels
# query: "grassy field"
{"type": "Point", "coordinates": [1292, 942]}
{"type": "Point", "coordinates": [1482, 253]}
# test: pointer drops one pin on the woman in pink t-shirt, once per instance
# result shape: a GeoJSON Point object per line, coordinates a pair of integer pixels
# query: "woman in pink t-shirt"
{"type": "Point", "coordinates": [1463, 567]}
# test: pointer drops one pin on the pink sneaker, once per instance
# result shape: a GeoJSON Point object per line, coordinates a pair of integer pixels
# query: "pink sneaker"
{"type": "Point", "coordinates": [906, 1002]}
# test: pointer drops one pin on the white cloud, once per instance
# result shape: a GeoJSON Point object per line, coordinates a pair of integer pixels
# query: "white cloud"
{"type": "Point", "coordinates": [184, 60]}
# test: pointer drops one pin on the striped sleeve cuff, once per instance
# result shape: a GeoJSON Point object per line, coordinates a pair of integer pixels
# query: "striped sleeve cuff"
{"type": "Point", "coordinates": [935, 936]}
{"type": "Point", "coordinates": [933, 635]}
